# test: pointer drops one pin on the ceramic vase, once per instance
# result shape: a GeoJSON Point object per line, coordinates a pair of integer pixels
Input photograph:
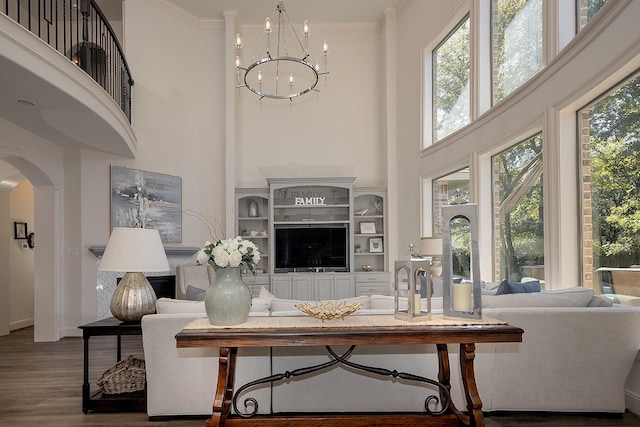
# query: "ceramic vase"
{"type": "Point", "coordinates": [228, 299]}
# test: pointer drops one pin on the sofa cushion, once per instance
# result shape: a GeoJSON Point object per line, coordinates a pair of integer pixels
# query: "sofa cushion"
{"type": "Point", "coordinates": [289, 305]}
{"type": "Point", "coordinates": [170, 305]}
{"type": "Point", "coordinates": [195, 294]}
{"type": "Point", "coordinates": [507, 287]}
{"type": "Point", "coordinates": [387, 302]}
{"type": "Point", "coordinates": [259, 306]}
{"type": "Point", "coordinates": [570, 297]}
{"type": "Point", "coordinates": [600, 301]}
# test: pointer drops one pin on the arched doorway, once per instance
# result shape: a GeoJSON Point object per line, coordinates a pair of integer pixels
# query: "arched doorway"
{"type": "Point", "coordinates": [47, 269]}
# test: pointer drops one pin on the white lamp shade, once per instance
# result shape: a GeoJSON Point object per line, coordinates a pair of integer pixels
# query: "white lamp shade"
{"type": "Point", "coordinates": [134, 250]}
{"type": "Point", "coordinates": [430, 246]}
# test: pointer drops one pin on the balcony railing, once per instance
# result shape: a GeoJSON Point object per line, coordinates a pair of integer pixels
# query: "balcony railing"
{"type": "Point", "coordinates": [79, 30]}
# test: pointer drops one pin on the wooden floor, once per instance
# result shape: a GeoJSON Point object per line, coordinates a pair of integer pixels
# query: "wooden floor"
{"type": "Point", "coordinates": [40, 384]}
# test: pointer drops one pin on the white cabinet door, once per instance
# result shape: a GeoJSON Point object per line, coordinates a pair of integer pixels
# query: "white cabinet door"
{"type": "Point", "coordinates": [313, 287]}
{"type": "Point", "coordinates": [303, 288]}
{"type": "Point", "coordinates": [281, 287]}
{"type": "Point", "coordinates": [344, 286]}
{"type": "Point", "coordinates": [324, 287]}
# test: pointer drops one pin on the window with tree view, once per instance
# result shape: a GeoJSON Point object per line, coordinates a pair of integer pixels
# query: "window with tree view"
{"type": "Point", "coordinates": [587, 9]}
{"type": "Point", "coordinates": [610, 147]}
{"type": "Point", "coordinates": [451, 68]}
{"type": "Point", "coordinates": [518, 211]}
{"type": "Point", "coordinates": [517, 44]}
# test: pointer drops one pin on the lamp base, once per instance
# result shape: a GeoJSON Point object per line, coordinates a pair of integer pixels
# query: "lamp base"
{"type": "Point", "coordinates": [133, 298]}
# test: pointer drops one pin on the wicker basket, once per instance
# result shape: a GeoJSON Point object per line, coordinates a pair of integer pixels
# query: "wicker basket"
{"type": "Point", "coordinates": [125, 376]}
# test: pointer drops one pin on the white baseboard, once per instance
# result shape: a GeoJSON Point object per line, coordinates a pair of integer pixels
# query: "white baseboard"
{"type": "Point", "coordinates": [632, 401]}
{"type": "Point", "coordinates": [20, 324]}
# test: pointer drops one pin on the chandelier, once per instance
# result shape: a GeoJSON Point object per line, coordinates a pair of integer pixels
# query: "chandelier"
{"type": "Point", "coordinates": [281, 74]}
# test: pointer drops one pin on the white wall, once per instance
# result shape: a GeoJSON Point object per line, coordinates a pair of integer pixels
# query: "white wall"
{"type": "Point", "coordinates": [21, 273]}
{"type": "Point", "coordinates": [42, 163]}
{"type": "Point", "coordinates": [419, 22]}
{"type": "Point", "coordinates": [5, 236]}
{"type": "Point", "coordinates": [178, 118]}
{"type": "Point", "coordinates": [336, 132]}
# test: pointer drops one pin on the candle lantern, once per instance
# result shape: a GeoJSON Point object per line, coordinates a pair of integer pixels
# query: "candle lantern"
{"type": "Point", "coordinates": [461, 295]}
{"type": "Point", "coordinates": [412, 285]}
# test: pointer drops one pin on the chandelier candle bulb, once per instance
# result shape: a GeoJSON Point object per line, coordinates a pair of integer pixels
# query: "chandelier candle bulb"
{"type": "Point", "coordinates": [267, 25]}
{"type": "Point", "coordinates": [462, 296]}
{"type": "Point", "coordinates": [238, 41]}
{"type": "Point", "coordinates": [305, 28]}
{"type": "Point", "coordinates": [325, 47]}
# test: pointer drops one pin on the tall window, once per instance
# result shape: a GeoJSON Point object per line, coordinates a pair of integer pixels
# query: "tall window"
{"type": "Point", "coordinates": [451, 68]}
{"type": "Point", "coordinates": [587, 10]}
{"type": "Point", "coordinates": [447, 190]}
{"type": "Point", "coordinates": [517, 44]}
{"type": "Point", "coordinates": [610, 146]}
{"type": "Point", "coordinates": [518, 211]}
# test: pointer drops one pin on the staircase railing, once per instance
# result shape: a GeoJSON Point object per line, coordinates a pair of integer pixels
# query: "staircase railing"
{"type": "Point", "coordinates": [79, 30]}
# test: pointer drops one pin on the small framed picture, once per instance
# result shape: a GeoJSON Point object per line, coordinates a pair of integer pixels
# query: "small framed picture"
{"type": "Point", "coordinates": [375, 244]}
{"type": "Point", "coordinates": [19, 230]}
{"type": "Point", "coordinates": [367, 228]}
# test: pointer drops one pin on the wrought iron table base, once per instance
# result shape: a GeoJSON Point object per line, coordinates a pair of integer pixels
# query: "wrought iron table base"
{"type": "Point", "coordinates": [447, 414]}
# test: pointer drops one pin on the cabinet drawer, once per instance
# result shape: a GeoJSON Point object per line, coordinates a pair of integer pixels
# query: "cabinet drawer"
{"type": "Point", "coordinates": [372, 277]}
{"type": "Point", "coordinates": [379, 288]}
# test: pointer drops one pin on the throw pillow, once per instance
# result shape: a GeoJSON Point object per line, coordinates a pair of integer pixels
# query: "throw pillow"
{"type": "Point", "coordinates": [195, 294]}
{"type": "Point", "coordinates": [507, 287]}
{"type": "Point", "coordinates": [568, 297]}
{"type": "Point", "coordinates": [260, 305]}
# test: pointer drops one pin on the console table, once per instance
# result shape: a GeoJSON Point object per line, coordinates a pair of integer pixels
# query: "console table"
{"type": "Point", "coordinates": [354, 330]}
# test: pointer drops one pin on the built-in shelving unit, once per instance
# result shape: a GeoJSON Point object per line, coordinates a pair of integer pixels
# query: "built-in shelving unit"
{"type": "Point", "coordinates": [252, 213]}
{"type": "Point", "coordinates": [357, 215]}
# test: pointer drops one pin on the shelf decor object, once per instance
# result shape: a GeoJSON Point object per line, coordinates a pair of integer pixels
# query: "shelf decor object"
{"type": "Point", "coordinates": [281, 73]}
{"type": "Point", "coordinates": [460, 230]}
{"type": "Point", "coordinates": [134, 251]}
{"type": "Point", "coordinates": [412, 287]}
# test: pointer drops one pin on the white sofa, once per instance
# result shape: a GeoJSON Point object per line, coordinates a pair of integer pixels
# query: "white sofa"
{"type": "Point", "coordinates": [574, 358]}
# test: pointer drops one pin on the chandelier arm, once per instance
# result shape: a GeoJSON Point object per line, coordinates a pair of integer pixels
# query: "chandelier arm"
{"type": "Point", "coordinates": [255, 52]}
{"type": "Point", "coordinates": [295, 33]}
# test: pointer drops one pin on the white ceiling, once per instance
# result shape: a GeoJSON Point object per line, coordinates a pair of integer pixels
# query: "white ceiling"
{"type": "Point", "coordinates": [253, 12]}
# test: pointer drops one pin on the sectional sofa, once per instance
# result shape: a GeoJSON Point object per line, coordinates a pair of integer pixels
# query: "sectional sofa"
{"type": "Point", "coordinates": [576, 353]}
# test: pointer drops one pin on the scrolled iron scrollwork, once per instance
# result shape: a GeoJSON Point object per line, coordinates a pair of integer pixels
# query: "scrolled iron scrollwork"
{"type": "Point", "coordinates": [431, 402]}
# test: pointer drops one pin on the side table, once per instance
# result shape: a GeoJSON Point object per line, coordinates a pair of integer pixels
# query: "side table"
{"type": "Point", "coordinates": [99, 401]}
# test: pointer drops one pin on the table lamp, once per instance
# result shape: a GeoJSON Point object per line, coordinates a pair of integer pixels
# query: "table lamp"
{"type": "Point", "coordinates": [134, 251]}
{"type": "Point", "coordinates": [432, 247]}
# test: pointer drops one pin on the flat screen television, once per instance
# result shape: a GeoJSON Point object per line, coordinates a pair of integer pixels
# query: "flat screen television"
{"type": "Point", "coordinates": [311, 248]}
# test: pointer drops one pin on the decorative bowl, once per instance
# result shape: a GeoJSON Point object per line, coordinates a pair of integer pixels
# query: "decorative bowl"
{"type": "Point", "coordinates": [367, 267]}
{"type": "Point", "coordinates": [328, 310]}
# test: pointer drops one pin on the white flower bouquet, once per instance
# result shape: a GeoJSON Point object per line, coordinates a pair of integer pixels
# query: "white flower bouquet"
{"type": "Point", "coordinates": [236, 252]}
